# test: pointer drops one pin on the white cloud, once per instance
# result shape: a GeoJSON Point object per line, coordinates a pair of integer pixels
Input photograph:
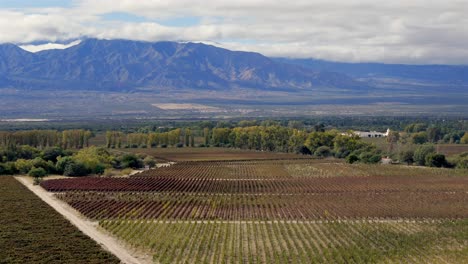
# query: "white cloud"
{"type": "Point", "coordinates": [417, 31]}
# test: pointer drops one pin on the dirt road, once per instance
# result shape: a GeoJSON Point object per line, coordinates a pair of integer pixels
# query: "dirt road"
{"type": "Point", "coordinates": [86, 226]}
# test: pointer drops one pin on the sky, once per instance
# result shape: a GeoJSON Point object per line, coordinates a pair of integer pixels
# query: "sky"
{"type": "Point", "coordinates": [409, 31]}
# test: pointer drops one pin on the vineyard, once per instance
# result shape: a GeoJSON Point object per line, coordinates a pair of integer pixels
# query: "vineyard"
{"type": "Point", "coordinates": [209, 154]}
{"type": "Point", "coordinates": [32, 232]}
{"type": "Point", "coordinates": [277, 211]}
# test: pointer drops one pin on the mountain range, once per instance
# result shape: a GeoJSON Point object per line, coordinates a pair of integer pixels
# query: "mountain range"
{"type": "Point", "coordinates": [140, 74]}
{"type": "Point", "coordinates": [126, 65]}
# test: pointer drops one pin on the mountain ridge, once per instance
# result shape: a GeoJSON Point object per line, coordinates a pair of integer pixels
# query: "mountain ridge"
{"type": "Point", "coordinates": [124, 64]}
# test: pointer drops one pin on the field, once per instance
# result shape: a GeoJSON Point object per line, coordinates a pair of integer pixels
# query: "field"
{"type": "Point", "coordinates": [277, 211]}
{"type": "Point", "coordinates": [446, 149]}
{"type": "Point", "coordinates": [32, 232]}
{"type": "Point", "coordinates": [452, 149]}
{"type": "Point", "coordinates": [209, 154]}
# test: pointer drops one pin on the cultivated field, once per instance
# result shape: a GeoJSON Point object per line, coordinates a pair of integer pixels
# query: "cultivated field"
{"type": "Point", "coordinates": [277, 211]}
{"type": "Point", "coordinates": [452, 149]}
{"type": "Point", "coordinates": [209, 154]}
{"type": "Point", "coordinates": [32, 232]}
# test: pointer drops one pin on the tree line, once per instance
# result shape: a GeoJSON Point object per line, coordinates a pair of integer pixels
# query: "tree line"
{"type": "Point", "coordinates": [76, 138]}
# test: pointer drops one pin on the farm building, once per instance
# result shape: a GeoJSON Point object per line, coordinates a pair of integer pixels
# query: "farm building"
{"type": "Point", "coordinates": [371, 134]}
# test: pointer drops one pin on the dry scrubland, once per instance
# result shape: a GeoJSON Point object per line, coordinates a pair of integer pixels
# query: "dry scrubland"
{"type": "Point", "coordinates": [277, 211]}
{"type": "Point", "coordinates": [32, 232]}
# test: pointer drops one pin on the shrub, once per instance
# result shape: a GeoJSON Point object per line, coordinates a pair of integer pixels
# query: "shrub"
{"type": "Point", "coordinates": [52, 154]}
{"type": "Point", "coordinates": [421, 153]}
{"type": "Point", "coordinates": [75, 169]}
{"type": "Point", "coordinates": [99, 169]}
{"type": "Point", "coordinates": [8, 168]}
{"type": "Point", "coordinates": [323, 151]}
{"type": "Point", "coordinates": [352, 158]}
{"type": "Point", "coordinates": [130, 161]}
{"type": "Point", "coordinates": [341, 153]}
{"type": "Point", "coordinates": [37, 172]}
{"type": "Point", "coordinates": [420, 138]}
{"type": "Point", "coordinates": [46, 165]}
{"type": "Point", "coordinates": [436, 160]}
{"type": "Point", "coordinates": [303, 150]}
{"type": "Point", "coordinates": [24, 166]}
{"type": "Point", "coordinates": [62, 162]}
{"type": "Point", "coordinates": [149, 161]}
{"type": "Point", "coordinates": [464, 139]}
{"type": "Point", "coordinates": [37, 180]}
{"type": "Point", "coordinates": [462, 163]}
{"type": "Point", "coordinates": [370, 157]}
{"type": "Point", "coordinates": [27, 152]}
{"type": "Point", "coordinates": [406, 156]}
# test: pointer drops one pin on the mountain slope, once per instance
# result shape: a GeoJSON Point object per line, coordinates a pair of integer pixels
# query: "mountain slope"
{"type": "Point", "coordinates": [128, 65]}
{"type": "Point", "coordinates": [452, 74]}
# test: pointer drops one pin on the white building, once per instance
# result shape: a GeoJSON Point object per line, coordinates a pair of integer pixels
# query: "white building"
{"type": "Point", "coordinates": [372, 134]}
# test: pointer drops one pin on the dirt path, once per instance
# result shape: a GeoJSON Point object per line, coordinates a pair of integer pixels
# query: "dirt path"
{"type": "Point", "coordinates": [86, 226]}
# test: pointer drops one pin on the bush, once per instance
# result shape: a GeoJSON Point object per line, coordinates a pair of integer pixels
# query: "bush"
{"type": "Point", "coordinates": [99, 169]}
{"type": "Point", "coordinates": [304, 150]}
{"type": "Point", "coordinates": [464, 139]}
{"type": "Point", "coordinates": [46, 165]}
{"type": "Point", "coordinates": [421, 153]}
{"type": "Point", "coordinates": [352, 158]}
{"type": "Point", "coordinates": [8, 168]}
{"type": "Point", "coordinates": [462, 163]}
{"type": "Point", "coordinates": [24, 166]}
{"type": "Point", "coordinates": [406, 156]}
{"type": "Point", "coordinates": [75, 169]}
{"type": "Point", "coordinates": [37, 181]}
{"type": "Point", "coordinates": [420, 138]}
{"type": "Point", "coordinates": [52, 154]}
{"type": "Point", "coordinates": [341, 153]}
{"type": "Point", "coordinates": [37, 172]}
{"type": "Point", "coordinates": [149, 161]}
{"type": "Point", "coordinates": [323, 151]}
{"type": "Point", "coordinates": [62, 163]}
{"type": "Point", "coordinates": [436, 160]}
{"type": "Point", "coordinates": [365, 157]}
{"type": "Point", "coordinates": [130, 161]}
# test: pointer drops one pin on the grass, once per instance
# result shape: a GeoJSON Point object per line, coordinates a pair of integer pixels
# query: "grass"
{"type": "Point", "coordinates": [32, 232]}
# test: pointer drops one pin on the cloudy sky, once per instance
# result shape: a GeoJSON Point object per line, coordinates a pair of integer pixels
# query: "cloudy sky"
{"type": "Point", "coordinates": [410, 31]}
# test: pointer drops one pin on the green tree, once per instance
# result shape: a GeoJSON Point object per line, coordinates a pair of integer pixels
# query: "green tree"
{"type": "Point", "coordinates": [149, 161]}
{"type": "Point", "coordinates": [75, 169]}
{"type": "Point", "coordinates": [352, 158]}
{"type": "Point", "coordinates": [323, 151]}
{"type": "Point", "coordinates": [37, 172]}
{"type": "Point", "coordinates": [436, 160]}
{"type": "Point", "coordinates": [422, 152]}
{"type": "Point", "coordinates": [464, 139]}
{"type": "Point", "coordinates": [406, 156]}
{"type": "Point", "coordinates": [24, 166]}
{"type": "Point", "coordinates": [419, 138]}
